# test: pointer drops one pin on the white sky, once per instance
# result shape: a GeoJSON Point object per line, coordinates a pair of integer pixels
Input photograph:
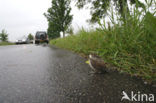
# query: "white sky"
{"type": "Point", "coordinates": [21, 17]}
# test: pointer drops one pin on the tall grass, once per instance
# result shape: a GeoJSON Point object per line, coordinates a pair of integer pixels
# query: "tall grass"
{"type": "Point", "coordinates": [129, 44]}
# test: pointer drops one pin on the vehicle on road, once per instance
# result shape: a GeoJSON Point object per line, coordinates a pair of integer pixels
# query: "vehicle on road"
{"type": "Point", "coordinates": [30, 41]}
{"type": "Point", "coordinates": [22, 40]}
{"type": "Point", "coordinates": [41, 37]}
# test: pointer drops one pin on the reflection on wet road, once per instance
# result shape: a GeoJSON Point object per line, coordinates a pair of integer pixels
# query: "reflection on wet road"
{"type": "Point", "coordinates": [43, 74]}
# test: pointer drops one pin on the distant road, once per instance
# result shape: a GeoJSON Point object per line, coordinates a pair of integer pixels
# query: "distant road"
{"type": "Point", "coordinates": [43, 74]}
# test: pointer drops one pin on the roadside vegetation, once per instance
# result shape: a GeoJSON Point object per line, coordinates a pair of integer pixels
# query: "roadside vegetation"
{"type": "Point", "coordinates": [6, 43]}
{"type": "Point", "coordinates": [59, 18]}
{"type": "Point", "coordinates": [4, 39]}
{"type": "Point", "coordinates": [30, 37]}
{"type": "Point", "coordinates": [128, 42]}
{"type": "Point", "coordinates": [3, 36]}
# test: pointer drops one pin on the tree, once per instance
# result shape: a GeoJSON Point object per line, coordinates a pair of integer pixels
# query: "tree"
{"type": "Point", "coordinates": [70, 30]}
{"type": "Point", "coordinates": [99, 8]}
{"type": "Point", "coordinates": [59, 17]}
{"type": "Point", "coordinates": [53, 31]}
{"type": "Point", "coordinates": [30, 37]}
{"type": "Point", "coordinates": [3, 36]}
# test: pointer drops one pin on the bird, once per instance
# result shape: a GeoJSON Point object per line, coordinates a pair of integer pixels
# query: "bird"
{"type": "Point", "coordinates": [97, 64]}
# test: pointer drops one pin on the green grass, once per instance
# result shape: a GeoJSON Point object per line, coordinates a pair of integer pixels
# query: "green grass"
{"type": "Point", "coordinates": [6, 43]}
{"type": "Point", "coordinates": [130, 46]}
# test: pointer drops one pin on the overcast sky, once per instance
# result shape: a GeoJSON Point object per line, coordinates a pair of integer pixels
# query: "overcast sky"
{"type": "Point", "coordinates": [21, 17]}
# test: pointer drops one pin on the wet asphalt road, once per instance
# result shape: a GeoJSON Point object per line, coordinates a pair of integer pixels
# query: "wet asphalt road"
{"type": "Point", "coordinates": [43, 74]}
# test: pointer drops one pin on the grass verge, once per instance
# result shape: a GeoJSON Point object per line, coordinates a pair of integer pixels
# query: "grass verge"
{"type": "Point", "coordinates": [6, 43]}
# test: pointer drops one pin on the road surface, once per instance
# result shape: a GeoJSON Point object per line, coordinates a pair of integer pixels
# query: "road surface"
{"type": "Point", "coordinates": [43, 74]}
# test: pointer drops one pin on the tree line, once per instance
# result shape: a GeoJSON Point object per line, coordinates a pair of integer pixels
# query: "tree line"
{"type": "Point", "coordinates": [59, 17]}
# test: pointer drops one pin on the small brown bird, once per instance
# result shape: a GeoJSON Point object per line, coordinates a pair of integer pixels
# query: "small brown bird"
{"type": "Point", "coordinates": [97, 64]}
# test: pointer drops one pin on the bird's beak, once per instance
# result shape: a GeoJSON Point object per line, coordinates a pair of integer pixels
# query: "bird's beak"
{"type": "Point", "coordinates": [87, 62]}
